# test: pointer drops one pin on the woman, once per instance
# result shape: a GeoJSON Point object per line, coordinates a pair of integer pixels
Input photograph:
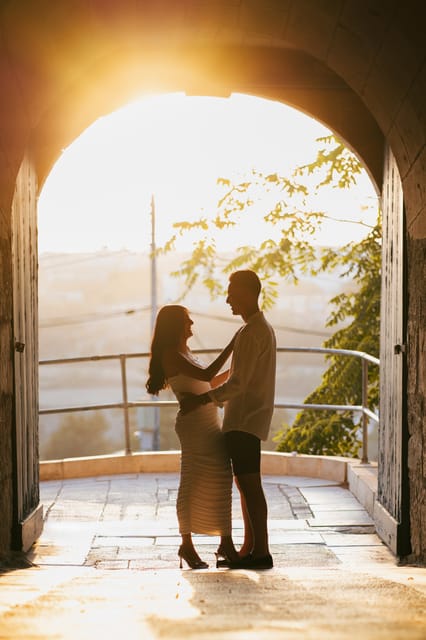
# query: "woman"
{"type": "Point", "coordinates": [205, 487]}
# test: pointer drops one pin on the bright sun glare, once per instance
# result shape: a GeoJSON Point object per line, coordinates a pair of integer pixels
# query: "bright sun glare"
{"type": "Point", "coordinates": [175, 147]}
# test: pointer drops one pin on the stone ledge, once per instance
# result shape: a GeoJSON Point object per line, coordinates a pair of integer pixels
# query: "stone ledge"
{"type": "Point", "coordinates": [30, 529]}
{"type": "Point", "coordinates": [146, 462]}
{"type": "Point", "coordinates": [287, 464]}
{"type": "Point", "coordinates": [386, 527]}
{"type": "Point", "coordinates": [273, 463]}
{"type": "Point", "coordinates": [362, 482]}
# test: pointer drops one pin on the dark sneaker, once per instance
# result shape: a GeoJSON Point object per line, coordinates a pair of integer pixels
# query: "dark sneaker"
{"type": "Point", "coordinates": [249, 562]}
{"type": "Point", "coordinates": [265, 562]}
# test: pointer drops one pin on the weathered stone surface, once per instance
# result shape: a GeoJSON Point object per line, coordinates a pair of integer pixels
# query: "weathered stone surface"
{"type": "Point", "coordinates": [416, 393]}
{"type": "Point", "coordinates": [345, 585]}
{"type": "Point", "coordinates": [6, 389]}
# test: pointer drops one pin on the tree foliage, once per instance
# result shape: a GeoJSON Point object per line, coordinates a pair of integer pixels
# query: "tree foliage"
{"type": "Point", "coordinates": [284, 202]}
{"type": "Point", "coordinates": [321, 432]}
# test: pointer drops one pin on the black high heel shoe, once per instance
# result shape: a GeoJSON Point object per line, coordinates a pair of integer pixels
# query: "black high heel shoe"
{"type": "Point", "coordinates": [193, 563]}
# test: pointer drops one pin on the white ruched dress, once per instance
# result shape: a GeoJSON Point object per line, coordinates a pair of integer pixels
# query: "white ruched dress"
{"type": "Point", "coordinates": [204, 499]}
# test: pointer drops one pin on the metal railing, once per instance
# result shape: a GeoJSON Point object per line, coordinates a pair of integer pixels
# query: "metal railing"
{"type": "Point", "coordinates": [127, 404]}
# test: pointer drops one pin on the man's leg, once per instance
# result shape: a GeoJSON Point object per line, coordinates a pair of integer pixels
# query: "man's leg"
{"type": "Point", "coordinates": [244, 451]}
{"type": "Point", "coordinates": [253, 498]}
{"type": "Point", "coordinates": [248, 541]}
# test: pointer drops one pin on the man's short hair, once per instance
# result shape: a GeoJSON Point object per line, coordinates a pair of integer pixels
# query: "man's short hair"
{"type": "Point", "coordinates": [247, 279]}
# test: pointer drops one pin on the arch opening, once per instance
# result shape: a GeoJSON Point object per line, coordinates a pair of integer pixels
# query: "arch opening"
{"type": "Point", "coordinates": [174, 145]}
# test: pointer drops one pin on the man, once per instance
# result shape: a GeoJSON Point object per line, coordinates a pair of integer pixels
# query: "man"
{"type": "Point", "coordinates": [248, 396]}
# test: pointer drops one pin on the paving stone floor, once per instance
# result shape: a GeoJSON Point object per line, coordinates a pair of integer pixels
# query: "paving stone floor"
{"type": "Point", "coordinates": [106, 563]}
{"type": "Point", "coordinates": [129, 522]}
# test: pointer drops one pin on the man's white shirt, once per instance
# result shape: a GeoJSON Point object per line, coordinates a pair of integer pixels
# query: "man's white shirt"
{"type": "Point", "coordinates": [249, 393]}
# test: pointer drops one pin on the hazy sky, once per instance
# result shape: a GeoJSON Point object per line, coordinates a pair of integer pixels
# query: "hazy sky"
{"type": "Point", "coordinates": [175, 147]}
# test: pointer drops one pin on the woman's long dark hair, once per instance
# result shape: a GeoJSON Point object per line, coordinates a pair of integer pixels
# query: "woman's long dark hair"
{"type": "Point", "coordinates": [168, 331]}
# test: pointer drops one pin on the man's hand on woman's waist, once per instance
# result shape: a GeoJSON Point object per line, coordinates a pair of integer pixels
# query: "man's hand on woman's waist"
{"type": "Point", "coordinates": [190, 401]}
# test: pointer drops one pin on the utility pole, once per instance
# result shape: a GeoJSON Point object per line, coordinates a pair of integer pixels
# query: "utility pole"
{"type": "Point", "coordinates": [155, 410]}
{"type": "Point", "coordinates": [153, 266]}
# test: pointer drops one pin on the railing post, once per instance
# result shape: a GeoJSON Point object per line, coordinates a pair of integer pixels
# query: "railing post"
{"type": "Point", "coordinates": [125, 404]}
{"type": "Point", "coordinates": [364, 403]}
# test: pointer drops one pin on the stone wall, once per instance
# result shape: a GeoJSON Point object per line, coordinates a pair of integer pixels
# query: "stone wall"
{"type": "Point", "coordinates": [6, 383]}
{"type": "Point", "coordinates": [416, 395]}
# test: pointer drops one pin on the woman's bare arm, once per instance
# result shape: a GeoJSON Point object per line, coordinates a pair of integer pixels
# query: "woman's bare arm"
{"type": "Point", "coordinates": [176, 362]}
{"type": "Point", "coordinates": [219, 379]}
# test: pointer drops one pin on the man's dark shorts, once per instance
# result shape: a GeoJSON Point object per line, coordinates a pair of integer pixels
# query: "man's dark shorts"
{"type": "Point", "coordinates": [244, 451]}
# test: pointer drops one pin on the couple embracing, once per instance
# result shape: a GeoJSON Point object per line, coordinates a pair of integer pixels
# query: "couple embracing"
{"type": "Point", "coordinates": [213, 453]}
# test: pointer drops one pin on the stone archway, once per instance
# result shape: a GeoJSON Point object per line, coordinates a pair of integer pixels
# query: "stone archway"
{"type": "Point", "coordinates": [274, 74]}
{"type": "Point", "coordinates": [67, 64]}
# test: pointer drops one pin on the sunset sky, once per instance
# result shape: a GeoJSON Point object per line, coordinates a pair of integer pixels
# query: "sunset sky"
{"type": "Point", "coordinates": [175, 147]}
